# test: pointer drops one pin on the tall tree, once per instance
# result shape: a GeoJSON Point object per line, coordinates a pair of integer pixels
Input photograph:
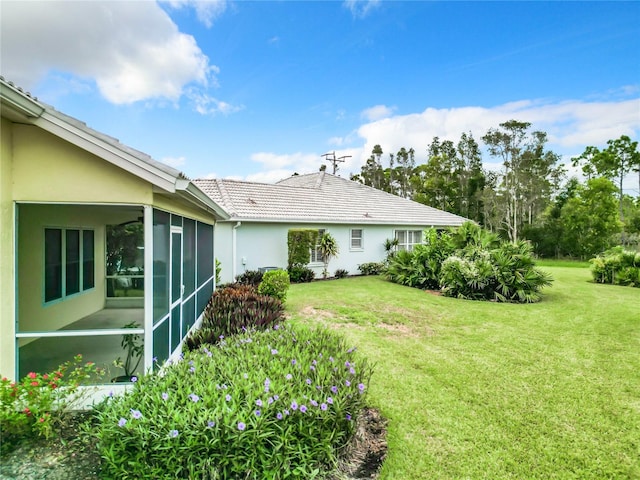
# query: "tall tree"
{"type": "Point", "coordinates": [528, 173]}
{"type": "Point", "coordinates": [590, 219]}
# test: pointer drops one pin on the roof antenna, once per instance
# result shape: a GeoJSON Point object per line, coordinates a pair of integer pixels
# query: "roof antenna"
{"type": "Point", "coordinates": [331, 157]}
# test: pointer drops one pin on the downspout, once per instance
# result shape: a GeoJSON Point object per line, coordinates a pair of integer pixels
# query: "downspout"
{"type": "Point", "coordinates": [234, 250]}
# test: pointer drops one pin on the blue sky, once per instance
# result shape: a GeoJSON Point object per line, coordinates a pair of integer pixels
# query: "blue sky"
{"type": "Point", "coordinates": [258, 90]}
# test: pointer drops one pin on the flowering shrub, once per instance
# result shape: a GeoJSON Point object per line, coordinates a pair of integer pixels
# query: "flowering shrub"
{"type": "Point", "coordinates": [38, 403]}
{"type": "Point", "coordinates": [266, 405]}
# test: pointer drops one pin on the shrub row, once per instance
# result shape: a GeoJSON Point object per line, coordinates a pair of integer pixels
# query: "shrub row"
{"type": "Point", "coordinates": [261, 405]}
{"type": "Point", "coordinates": [470, 263]}
{"type": "Point", "coordinates": [235, 309]}
{"type": "Point", "coordinates": [617, 266]}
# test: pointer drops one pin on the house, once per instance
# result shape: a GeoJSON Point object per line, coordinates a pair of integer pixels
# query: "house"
{"type": "Point", "coordinates": [359, 217]}
{"type": "Point", "coordinates": [64, 188]}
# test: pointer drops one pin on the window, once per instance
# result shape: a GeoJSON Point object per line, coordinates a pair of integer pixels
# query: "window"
{"type": "Point", "coordinates": [356, 239]}
{"type": "Point", "coordinates": [68, 262]}
{"type": "Point", "coordinates": [316, 256]}
{"type": "Point", "coordinates": [408, 238]}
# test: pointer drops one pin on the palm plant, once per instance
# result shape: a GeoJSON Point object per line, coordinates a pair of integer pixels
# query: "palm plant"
{"type": "Point", "coordinates": [328, 248]}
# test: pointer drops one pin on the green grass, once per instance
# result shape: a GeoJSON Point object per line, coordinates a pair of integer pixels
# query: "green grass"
{"type": "Point", "coordinates": [488, 390]}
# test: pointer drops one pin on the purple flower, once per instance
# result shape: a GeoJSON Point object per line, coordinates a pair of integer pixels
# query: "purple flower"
{"type": "Point", "coordinates": [308, 380]}
{"type": "Point", "coordinates": [211, 424]}
{"type": "Point", "coordinates": [165, 395]}
{"type": "Point", "coordinates": [257, 412]}
{"type": "Point", "coordinates": [245, 375]}
{"type": "Point", "coordinates": [303, 408]}
{"type": "Point", "coordinates": [274, 351]}
{"type": "Point", "coordinates": [259, 402]}
{"type": "Point", "coordinates": [192, 369]}
{"type": "Point", "coordinates": [221, 337]}
{"type": "Point", "coordinates": [323, 406]}
{"type": "Point", "coordinates": [330, 400]}
{"type": "Point", "coordinates": [352, 371]}
{"type": "Point", "coordinates": [191, 363]}
{"type": "Point", "coordinates": [279, 416]}
{"type": "Point", "coordinates": [270, 400]}
{"type": "Point", "coordinates": [347, 364]}
{"type": "Point", "coordinates": [228, 398]}
{"type": "Point", "coordinates": [331, 359]}
{"type": "Point", "coordinates": [334, 389]}
{"type": "Point", "coordinates": [318, 387]}
{"type": "Point", "coordinates": [348, 417]}
{"type": "Point", "coordinates": [347, 383]}
{"type": "Point", "coordinates": [286, 412]}
{"type": "Point", "coordinates": [173, 433]}
{"type": "Point", "coordinates": [136, 414]}
{"type": "Point", "coordinates": [154, 359]}
{"type": "Point", "coordinates": [122, 422]}
{"type": "Point", "coordinates": [314, 403]}
{"type": "Point", "coordinates": [293, 362]}
{"type": "Point", "coordinates": [289, 376]}
{"type": "Point", "coordinates": [276, 327]}
{"type": "Point", "coordinates": [241, 426]}
{"type": "Point", "coordinates": [194, 398]}
{"type": "Point", "coordinates": [361, 387]}
{"type": "Point", "coordinates": [110, 394]}
{"type": "Point", "coordinates": [294, 405]}
{"type": "Point", "coordinates": [134, 379]}
{"type": "Point", "coordinates": [312, 367]}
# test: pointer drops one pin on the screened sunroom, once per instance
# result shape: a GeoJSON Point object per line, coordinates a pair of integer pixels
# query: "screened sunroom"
{"type": "Point", "coordinates": [104, 252]}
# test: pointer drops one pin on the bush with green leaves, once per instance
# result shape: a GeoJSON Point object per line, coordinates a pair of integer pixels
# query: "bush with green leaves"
{"type": "Point", "coordinates": [299, 274]}
{"type": "Point", "coordinates": [275, 283]}
{"type": "Point", "coordinates": [250, 277]}
{"type": "Point", "coordinates": [274, 404]}
{"type": "Point", "coordinates": [234, 309]}
{"type": "Point", "coordinates": [371, 268]}
{"type": "Point", "coordinates": [617, 266]}
{"type": "Point", "coordinates": [341, 273]}
{"type": "Point", "coordinates": [300, 241]}
{"type": "Point", "coordinates": [470, 263]}
{"type": "Point", "coordinates": [39, 403]}
{"type": "Point", "coordinates": [420, 268]}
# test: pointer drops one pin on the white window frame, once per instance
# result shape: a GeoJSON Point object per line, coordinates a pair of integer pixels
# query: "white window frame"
{"type": "Point", "coordinates": [316, 257]}
{"type": "Point", "coordinates": [409, 241]}
{"type": "Point", "coordinates": [359, 239]}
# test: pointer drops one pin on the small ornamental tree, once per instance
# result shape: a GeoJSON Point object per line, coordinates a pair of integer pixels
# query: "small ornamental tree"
{"type": "Point", "coordinates": [328, 248]}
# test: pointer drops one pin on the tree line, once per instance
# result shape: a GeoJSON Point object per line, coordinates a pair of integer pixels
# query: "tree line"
{"type": "Point", "coordinates": [529, 196]}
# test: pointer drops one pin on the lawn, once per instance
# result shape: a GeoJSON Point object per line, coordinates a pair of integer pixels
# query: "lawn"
{"type": "Point", "coordinates": [487, 390]}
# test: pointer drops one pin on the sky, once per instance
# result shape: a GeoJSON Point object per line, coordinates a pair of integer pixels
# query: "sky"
{"type": "Point", "coordinates": [260, 90]}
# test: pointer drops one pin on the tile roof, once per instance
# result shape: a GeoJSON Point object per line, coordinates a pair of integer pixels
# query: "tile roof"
{"type": "Point", "coordinates": [320, 198]}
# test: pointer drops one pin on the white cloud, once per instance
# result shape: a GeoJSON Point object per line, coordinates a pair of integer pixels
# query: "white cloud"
{"type": "Point", "coordinates": [132, 50]}
{"type": "Point", "coordinates": [361, 8]}
{"type": "Point", "coordinates": [207, 105]}
{"type": "Point", "coordinates": [570, 125]}
{"type": "Point", "coordinates": [206, 10]}
{"type": "Point", "coordinates": [377, 112]}
{"type": "Point", "coordinates": [279, 166]}
{"type": "Point", "coordinates": [175, 162]}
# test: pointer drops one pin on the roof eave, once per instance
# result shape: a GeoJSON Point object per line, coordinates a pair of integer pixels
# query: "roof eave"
{"type": "Point", "coordinates": [19, 102]}
{"type": "Point", "coordinates": [190, 192]}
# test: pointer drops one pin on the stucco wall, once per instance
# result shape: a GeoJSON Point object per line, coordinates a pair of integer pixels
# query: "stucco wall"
{"type": "Point", "coordinates": [49, 169]}
{"type": "Point", "coordinates": [265, 245]}
{"type": "Point", "coordinates": [7, 305]}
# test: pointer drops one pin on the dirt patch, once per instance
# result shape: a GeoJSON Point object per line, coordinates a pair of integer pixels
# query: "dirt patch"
{"type": "Point", "coordinates": [398, 328]}
{"type": "Point", "coordinates": [367, 450]}
{"type": "Point", "coordinates": [309, 311]}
